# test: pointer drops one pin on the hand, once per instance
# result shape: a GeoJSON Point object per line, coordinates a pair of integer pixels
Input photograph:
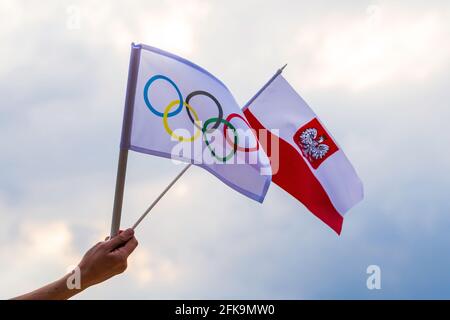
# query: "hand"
{"type": "Point", "coordinates": [107, 259]}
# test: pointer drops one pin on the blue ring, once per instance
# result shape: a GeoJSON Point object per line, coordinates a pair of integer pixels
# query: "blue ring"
{"type": "Point", "coordinates": [149, 105]}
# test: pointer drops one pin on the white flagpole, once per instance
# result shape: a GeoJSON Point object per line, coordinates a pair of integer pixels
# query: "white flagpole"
{"type": "Point", "coordinates": [160, 196]}
{"type": "Point", "coordinates": [279, 71]}
{"type": "Point", "coordinates": [125, 139]}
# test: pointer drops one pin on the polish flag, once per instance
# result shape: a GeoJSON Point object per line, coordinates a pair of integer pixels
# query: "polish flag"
{"type": "Point", "coordinates": [306, 161]}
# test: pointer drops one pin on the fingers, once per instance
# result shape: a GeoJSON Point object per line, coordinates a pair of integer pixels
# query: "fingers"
{"type": "Point", "coordinates": [107, 238]}
{"type": "Point", "coordinates": [128, 248]}
{"type": "Point", "coordinates": [119, 240]}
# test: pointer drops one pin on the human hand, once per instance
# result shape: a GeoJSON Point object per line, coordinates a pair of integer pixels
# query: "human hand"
{"type": "Point", "coordinates": [107, 259]}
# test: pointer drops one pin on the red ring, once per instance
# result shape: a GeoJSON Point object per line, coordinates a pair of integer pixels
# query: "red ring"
{"type": "Point", "coordinates": [230, 142]}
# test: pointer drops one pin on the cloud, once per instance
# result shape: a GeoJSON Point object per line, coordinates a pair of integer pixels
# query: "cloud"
{"type": "Point", "coordinates": [41, 252]}
{"type": "Point", "coordinates": [383, 45]}
{"type": "Point", "coordinates": [148, 269]}
{"type": "Point", "coordinates": [375, 72]}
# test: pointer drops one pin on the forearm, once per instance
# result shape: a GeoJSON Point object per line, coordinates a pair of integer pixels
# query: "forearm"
{"type": "Point", "coordinates": [57, 290]}
{"type": "Point", "coordinates": [101, 262]}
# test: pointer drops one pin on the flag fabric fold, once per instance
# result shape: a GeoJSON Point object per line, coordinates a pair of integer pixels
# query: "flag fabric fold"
{"type": "Point", "coordinates": [307, 163]}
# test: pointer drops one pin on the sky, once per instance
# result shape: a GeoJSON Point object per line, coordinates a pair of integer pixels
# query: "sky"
{"type": "Point", "coordinates": [376, 72]}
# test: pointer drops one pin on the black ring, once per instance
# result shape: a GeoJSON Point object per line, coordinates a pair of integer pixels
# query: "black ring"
{"type": "Point", "coordinates": [209, 95]}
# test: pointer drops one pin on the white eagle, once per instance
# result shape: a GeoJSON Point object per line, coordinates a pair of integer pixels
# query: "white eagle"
{"type": "Point", "coordinates": [312, 146]}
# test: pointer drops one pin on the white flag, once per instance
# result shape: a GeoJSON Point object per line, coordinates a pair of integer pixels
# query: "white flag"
{"type": "Point", "coordinates": [183, 112]}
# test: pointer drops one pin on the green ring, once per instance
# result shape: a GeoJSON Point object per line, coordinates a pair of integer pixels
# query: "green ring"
{"type": "Point", "coordinates": [213, 152]}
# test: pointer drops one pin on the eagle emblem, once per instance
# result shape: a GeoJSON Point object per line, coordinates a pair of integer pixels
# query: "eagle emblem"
{"type": "Point", "coordinates": [312, 145]}
{"type": "Point", "coordinates": [315, 143]}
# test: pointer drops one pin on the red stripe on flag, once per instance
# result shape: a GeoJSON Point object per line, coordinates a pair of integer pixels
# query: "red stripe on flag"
{"type": "Point", "coordinates": [296, 178]}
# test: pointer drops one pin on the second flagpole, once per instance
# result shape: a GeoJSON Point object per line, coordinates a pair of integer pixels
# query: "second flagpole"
{"type": "Point", "coordinates": [160, 196]}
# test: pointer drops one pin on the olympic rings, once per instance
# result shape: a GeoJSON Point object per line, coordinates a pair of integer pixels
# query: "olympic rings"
{"type": "Point", "coordinates": [149, 105]}
{"type": "Point", "coordinates": [166, 124]}
{"type": "Point", "coordinates": [225, 127]}
{"type": "Point", "coordinates": [193, 117]}
{"type": "Point", "coordinates": [213, 152]}
{"type": "Point", "coordinates": [209, 95]}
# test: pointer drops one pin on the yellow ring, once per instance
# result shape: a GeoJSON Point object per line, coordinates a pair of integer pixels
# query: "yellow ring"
{"type": "Point", "coordinates": [170, 132]}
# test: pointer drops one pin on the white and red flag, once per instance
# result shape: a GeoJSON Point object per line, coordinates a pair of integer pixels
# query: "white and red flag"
{"type": "Point", "coordinates": [307, 163]}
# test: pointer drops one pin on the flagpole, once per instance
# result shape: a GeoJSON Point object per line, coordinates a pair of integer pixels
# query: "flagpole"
{"type": "Point", "coordinates": [279, 71]}
{"type": "Point", "coordinates": [125, 139]}
{"type": "Point", "coordinates": [160, 196]}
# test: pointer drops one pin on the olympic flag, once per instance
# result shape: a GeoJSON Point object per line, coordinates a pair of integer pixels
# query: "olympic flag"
{"type": "Point", "coordinates": [178, 110]}
{"type": "Point", "coordinates": [310, 165]}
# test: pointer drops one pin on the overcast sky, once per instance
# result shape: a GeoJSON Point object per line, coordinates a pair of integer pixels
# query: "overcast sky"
{"type": "Point", "coordinates": [376, 72]}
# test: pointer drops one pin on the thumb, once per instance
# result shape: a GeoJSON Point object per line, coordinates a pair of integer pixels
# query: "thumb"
{"type": "Point", "coordinates": [119, 240]}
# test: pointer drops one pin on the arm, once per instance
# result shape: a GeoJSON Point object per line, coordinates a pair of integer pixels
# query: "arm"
{"type": "Point", "coordinates": [101, 262]}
